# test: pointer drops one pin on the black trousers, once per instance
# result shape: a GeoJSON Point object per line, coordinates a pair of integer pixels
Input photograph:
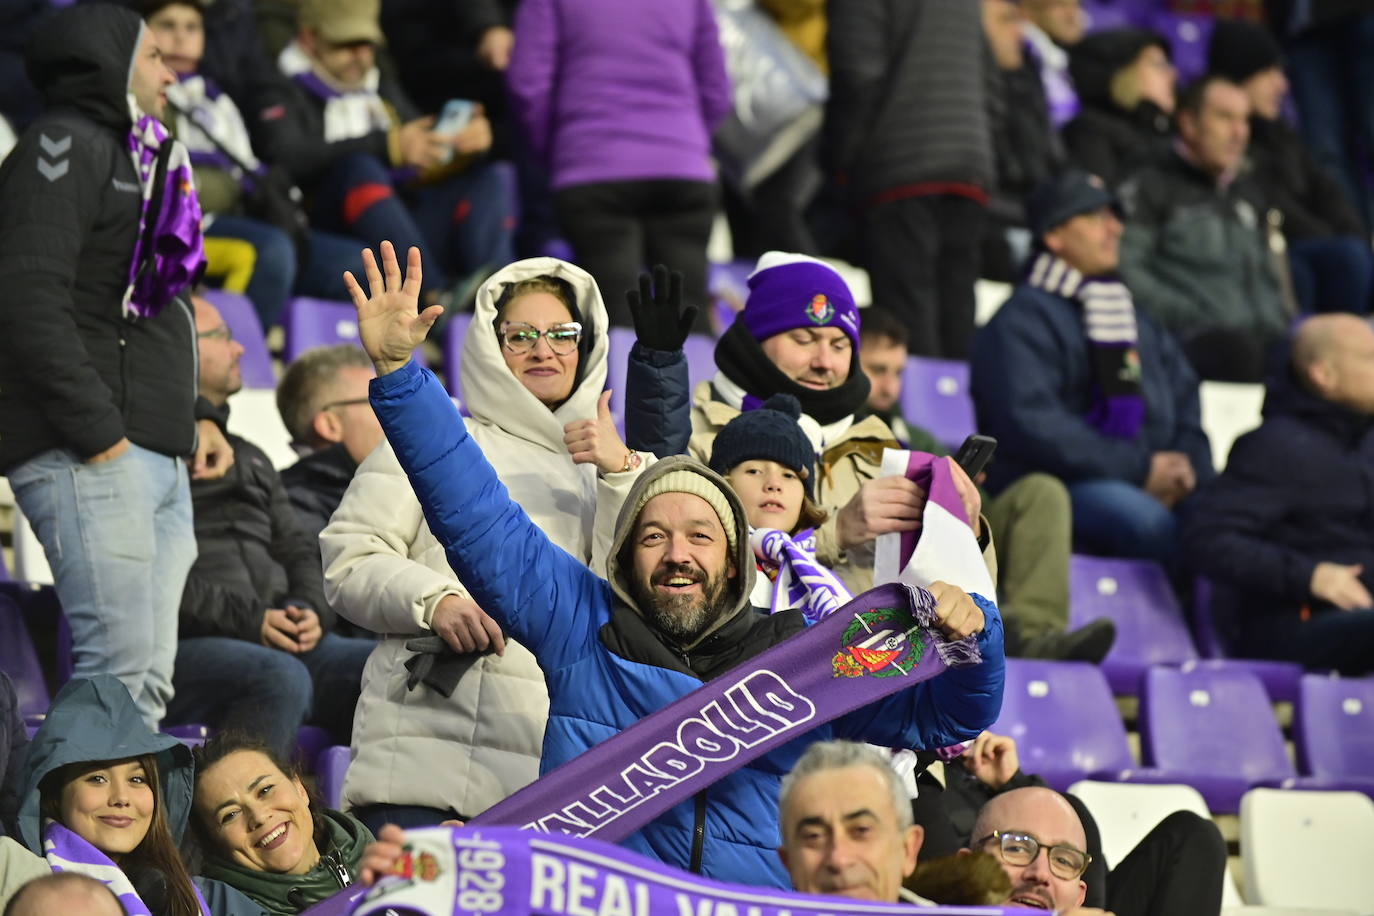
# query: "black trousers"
{"type": "Point", "coordinates": [617, 228]}
{"type": "Point", "coordinates": [1177, 870]}
{"type": "Point", "coordinates": [922, 255]}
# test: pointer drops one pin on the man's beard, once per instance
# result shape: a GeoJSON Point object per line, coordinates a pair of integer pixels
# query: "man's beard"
{"type": "Point", "coordinates": [684, 617]}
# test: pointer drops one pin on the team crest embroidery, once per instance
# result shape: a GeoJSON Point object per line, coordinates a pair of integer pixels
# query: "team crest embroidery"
{"type": "Point", "coordinates": [819, 309]}
{"type": "Point", "coordinates": [881, 642]}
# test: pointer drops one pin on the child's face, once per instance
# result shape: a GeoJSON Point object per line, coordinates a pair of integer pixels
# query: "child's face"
{"type": "Point", "coordinates": [180, 34]}
{"type": "Point", "coordinates": [772, 494]}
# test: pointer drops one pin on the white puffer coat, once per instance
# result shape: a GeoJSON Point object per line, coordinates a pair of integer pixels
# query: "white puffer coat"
{"type": "Point", "coordinates": [385, 571]}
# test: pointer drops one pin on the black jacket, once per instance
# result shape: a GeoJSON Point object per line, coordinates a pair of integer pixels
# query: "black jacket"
{"type": "Point", "coordinates": [909, 83]}
{"type": "Point", "coordinates": [74, 373]}
{"type": "Point", "coordinates": [1028, 150]}
{"type": "Point", "coordinates": [1297, 491]}
{"type": "Point", "coordinates": [316, 485]}
{"type": "Point", "coordinates": [253, 553]}
{"type": "Point", "coordinates": [290, 130]}
{"type": "Point", "coordinates": [1115, 144]}
{"type": "Point", "coordinates": [1314, 203]}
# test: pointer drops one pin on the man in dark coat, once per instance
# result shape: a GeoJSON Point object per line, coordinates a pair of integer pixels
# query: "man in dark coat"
{"type": "Point", "coordinates": [256, 651]}
{"type": "Point", "coordinates": [1288, 529]}
{"type": "Point", "coordinates": [97, 376]}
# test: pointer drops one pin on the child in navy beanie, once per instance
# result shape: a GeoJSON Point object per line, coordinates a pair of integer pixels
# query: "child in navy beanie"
{"type": "Point", "coordinates": [770, 434]}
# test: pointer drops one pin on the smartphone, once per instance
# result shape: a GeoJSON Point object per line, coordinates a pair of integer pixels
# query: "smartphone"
{"type": "Point", "coordinates": [454, 117]}
{"type": "Point", "coordinates": [973, 456]}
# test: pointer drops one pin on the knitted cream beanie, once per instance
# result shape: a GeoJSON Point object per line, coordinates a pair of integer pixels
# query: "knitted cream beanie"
{"type": "Point", "coordinates": [685, 481]}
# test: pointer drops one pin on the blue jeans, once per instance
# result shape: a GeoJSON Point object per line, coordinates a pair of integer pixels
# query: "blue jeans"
{"type": "Point", "coordinates": [374, 817]}
{"type": "Point", "coordinates": [232, 683]}
{"type": "Point", "coordinates": [119, 539]}
{"type": "Point", "coordinates": [1343, 640]}
{"type": "Point", "coordinates": [1332, 274]}
{"type": "Point", "coordinates": [1117, 519]}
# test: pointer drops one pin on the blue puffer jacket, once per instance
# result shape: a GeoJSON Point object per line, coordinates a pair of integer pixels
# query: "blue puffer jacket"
{"type": "Point", "coordinates": [1032, 385]}
{"type": "Point", "coordinates": [606, 668]}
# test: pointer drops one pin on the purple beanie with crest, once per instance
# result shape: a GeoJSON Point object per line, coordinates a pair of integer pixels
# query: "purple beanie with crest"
{"type": "Point", "coordinates": [789, 291]}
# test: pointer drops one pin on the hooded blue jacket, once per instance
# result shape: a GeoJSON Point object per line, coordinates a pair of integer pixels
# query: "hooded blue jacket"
{"type": "Point", "coordinates": [94, 719]}
{"type": "Point", "coordinates": [1032, 386]}
{"type": "Point", "coordinates": [607, 668]}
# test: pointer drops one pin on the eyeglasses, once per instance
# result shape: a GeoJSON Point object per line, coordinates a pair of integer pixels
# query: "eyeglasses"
{"type": "Point", "coordinates": [519, 337]}
{"type": "Point", "coordinates": [1022, 849]}
{"type": "Point", "coordinates": [220, 333]}
{"type": "Point", "coordinates": [349, 403]}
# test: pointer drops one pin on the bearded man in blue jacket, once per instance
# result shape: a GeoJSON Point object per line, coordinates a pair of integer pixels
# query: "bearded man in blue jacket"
{"type": "Point", "coordinates": [672, 613]}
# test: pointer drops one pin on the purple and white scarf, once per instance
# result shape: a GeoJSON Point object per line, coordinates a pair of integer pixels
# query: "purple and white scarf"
{"type": "Point", "coordinates": [66, 851]}
{"type": "Point", "coordinates": [169, 253]}
{"type": "Point", "coordinates": [1118, 407]}
{"type": "Point", "coordinates": [348, 113]}
{"type": "Point", "coordinates": [799, 581]}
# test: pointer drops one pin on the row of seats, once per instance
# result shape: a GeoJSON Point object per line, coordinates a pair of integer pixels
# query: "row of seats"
{"type": "Point", "coordinates": [1204, 725]}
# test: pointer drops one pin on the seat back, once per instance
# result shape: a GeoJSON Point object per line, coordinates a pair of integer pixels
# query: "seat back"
{"type": "Point", "coordinates": [1307, 849]}
{"type": "Point", "coordinates": [935, 395]}
{"type": "Point", "coordinates": [19, 659]}
{"type": "Point", "coordinates": [330, 769]}
{"type": "Point", "coordinates": [1203, 720]}
{"type": "Point", "coordinates": [454, 335]}
{"type": "Point", "coordinates": [243, 323]}
{"type": "Point", "coordinates": [1137, 597]}
{"type": "Point", "coordinates": [1333, 727]}
{"type": "Point", "coordinates": [1126, 812]}
{"type": "Point", "coordinates": [1063, 719]}
{"type": "Point", "coordinates": [316, 323]}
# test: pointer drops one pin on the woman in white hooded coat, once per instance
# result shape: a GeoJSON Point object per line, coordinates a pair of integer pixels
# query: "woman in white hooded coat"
{"type": "Point", "coordinates": [420, 756]}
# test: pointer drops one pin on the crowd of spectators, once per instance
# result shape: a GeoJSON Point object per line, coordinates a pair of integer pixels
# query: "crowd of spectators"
{"type": "Point", "coordinates": [469, 595]}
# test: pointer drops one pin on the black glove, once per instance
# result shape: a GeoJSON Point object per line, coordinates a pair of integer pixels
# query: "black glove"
{"type": "Point", "coordinates": [661, 323]}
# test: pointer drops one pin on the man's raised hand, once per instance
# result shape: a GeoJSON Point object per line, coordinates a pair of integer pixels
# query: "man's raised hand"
{"type": "Point", "coordinates": [389, 321]}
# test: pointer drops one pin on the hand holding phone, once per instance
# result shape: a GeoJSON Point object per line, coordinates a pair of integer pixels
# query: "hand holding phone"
{"type": "Point", "coordinates": [973, 456]}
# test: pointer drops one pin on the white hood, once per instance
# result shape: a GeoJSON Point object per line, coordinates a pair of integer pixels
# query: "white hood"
{"type": "Point", "coordinates": [494, 396]}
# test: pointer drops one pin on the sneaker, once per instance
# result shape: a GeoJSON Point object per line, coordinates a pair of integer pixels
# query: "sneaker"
{"type": "Point", "coordinates": [1089, 643]}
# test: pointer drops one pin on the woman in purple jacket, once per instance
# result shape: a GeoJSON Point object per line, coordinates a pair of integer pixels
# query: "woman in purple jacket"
{"type": "Point", "coordinates": [618, 99]}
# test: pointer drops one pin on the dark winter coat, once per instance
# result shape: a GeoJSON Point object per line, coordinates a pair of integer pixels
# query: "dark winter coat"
{"type": "Point", "coordinates": [74, 372]}
{"type": "Point", "coordinates": [253, 552]}
{"type": "Point", "coordinates": [316, 485]}
{"type": "Point", "coordinates": [1297, 491]}
{"type": "Point", "coordinates": [1314, 203]}
{"type": "Point", "coordinates": [1115, 144]}
{"type": "Point", "coordinates": [1032, 386]}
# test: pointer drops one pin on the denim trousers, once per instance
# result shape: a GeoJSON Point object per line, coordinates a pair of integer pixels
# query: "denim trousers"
{"type": "Point", "coordinates": [119, 539]}
{"type": "Point", "coordinates": [1117, 519]}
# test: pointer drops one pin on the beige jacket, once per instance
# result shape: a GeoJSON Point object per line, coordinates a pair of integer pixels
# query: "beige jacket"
{"type": "Point", "coordinates": [847, 461]}
{"type": "Point", "coordinates": [385, 571]}
{"type": "Point", "coordinates": [18, 867]}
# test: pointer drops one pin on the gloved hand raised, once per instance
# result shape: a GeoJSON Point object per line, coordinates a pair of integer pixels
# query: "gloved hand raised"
{"type": "Point", "coordinates": [661, 323]}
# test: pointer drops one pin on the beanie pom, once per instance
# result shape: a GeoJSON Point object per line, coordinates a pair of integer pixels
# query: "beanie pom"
{"type": "Point", "coordinates": [785, 404]}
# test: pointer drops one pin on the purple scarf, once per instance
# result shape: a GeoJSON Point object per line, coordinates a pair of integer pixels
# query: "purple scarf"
{"type": "Point", "coordinates": [459, 871]}
{"type": "Point", "coordinates": [1118, 408]}
{"type": "Point", "coordinates": [169, 254]}
{"type": "Point", "coordinates": [66, 851]}
{"type": "Point", "coordinates": [875, 645]}
{"type": "Point", "coordinates": [800, 581]}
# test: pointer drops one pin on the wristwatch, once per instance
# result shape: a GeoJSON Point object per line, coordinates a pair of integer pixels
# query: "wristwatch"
{"type": "Point", "coordinates": [632, 461]}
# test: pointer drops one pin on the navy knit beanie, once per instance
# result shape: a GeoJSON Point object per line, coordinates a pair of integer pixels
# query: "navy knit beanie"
{"type": "Point", "coordinates": [1239, 50]}
{"type": "Point", "coordinates": [770, 433]}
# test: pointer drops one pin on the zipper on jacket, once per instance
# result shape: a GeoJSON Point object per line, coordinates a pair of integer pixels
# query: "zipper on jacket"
{"type": "Point", "coordinates": [334, 861]}
{"type": "Point", "coordinates": [699, 833]}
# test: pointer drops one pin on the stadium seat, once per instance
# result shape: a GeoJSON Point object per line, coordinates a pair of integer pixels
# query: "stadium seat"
{"type": "Point", "coordinates": [19, 659]}
{"type": "Point", "coordinates": [316, 323]}
{"type": "Point", "coordinates": [310, 741]}
{"type": "Point", "coordinates": [701, 358]}
{"type": "Point", "coordinates": [193, 735]}
{"type": "Point", "coordinates": [330, 769]}
{"type": "Point", "coordinates": [617, 359]}
{"type": "Point", "coordinates": [242, 320]}
{"type": "Point", "coordinates": [935, 395]}
{"type": "Point", "coordinates": [1112, 14]}
{"type": "Point", "coordinates": [1213, 728]}
{"type": "Point", "coordinates": [1333, 729]}
{"type": "Point", "coordinates": [454, 335]}
{"type": "Point", "coordinates": [1125, 813]}
{"type": "Point", "coordinates": [1137, 597]}
{"type": "Point", "coordinates": [1064, 721]}
{"type": "Point", "coordinates": [1214, 629]}
{"type": "Point", "coordinates": [1188, 34]}
{"type": "Point", "coordinates": [1307, 849]}
{"type": "Point", "coordinates": [1229, 411]}
{"type": "Point", "coordinates": [30, 560]}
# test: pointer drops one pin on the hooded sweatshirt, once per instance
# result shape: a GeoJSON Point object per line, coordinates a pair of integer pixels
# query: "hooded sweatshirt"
{"type": "Point", "coordinates": [74, 372]}
{"type": "Point", "coordinates": [385, 571]}
{"type": "Point", "coordinates": [607, 666]}
{"type": "Point", "coordinates": [94, 719]}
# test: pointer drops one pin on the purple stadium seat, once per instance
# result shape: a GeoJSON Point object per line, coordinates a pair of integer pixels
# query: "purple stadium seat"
{"type": "Point", "coordinates": [1189, 35]}
{"type": "Point", "coordinates": [193, 735]}
{"type": "Point", "coordinates": [329, 773]}
{"type": "Point", "coordinates": [700, 350]}
{"type": "Point", "coordinates": [454, 335]}
{"type": "Point", "coordinates": [729, 286]}
{"type": "Point", "coordinates": [319, 323]}
{"type": "Point", "coordinates": [242, 319]}
{"type": "Point", "coordinates": [701, 358]}
{"type": "Point", "coordinates": [1136, 596]}
{"type": "Point", "coordinates": [1064, 721]}
{"type": "Point", "coordinates": [310, 741]}
{"type": "Point", "coordinates": [1213, 728]}
{"type": "Point", "coordinates": [1112, 14]}
{"type": "Point", "coordinates": [1333, 728]}
{"type": "Point", "coordinates": [1214, 629]}
{"type": "Point", "coordinates": [19, 659]}
{"type": "Point", "coordinates": [935, 396]}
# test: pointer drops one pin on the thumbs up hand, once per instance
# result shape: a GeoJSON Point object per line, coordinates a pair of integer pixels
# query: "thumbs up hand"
{"type": "Point", "coordinates": [596, 441]}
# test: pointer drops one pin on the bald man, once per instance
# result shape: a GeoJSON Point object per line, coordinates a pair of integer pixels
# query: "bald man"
{"type": "Point", "coordinates": [65, 892]}
{"type": "Point", "coordinates": [1016, 827]}
{"type": "Point", "coordinates": [1285, 532]}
